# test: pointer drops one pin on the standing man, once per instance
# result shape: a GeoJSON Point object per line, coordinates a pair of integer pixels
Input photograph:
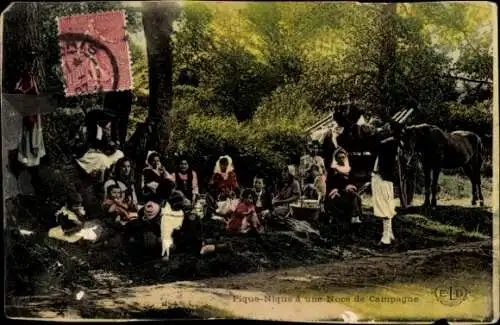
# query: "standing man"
{"type": "Point", "coordinates": [383, 187]}
{"type": "Point", "coordinates": [307, 161]}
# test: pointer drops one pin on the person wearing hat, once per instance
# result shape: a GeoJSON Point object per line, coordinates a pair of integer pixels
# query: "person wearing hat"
{"type": "Point", "coordinates": [150, 217]}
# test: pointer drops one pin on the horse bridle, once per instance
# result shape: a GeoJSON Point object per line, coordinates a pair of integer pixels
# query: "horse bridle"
{"type": "Point", "coordinates": [410, 146]}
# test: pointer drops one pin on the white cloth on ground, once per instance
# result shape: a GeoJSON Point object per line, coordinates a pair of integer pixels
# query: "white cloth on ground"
{"type": "Point", "coordinates": [91, 231]}
{"type": "Point", "coordinates": [170, 220]}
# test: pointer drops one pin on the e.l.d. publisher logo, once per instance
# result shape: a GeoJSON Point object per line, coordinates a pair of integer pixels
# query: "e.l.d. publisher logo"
{"type": "Point", "coordinates": [451, 295]}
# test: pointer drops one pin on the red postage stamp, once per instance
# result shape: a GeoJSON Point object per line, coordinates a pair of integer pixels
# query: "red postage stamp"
{"type": "Point", "coordinates": [94, 53]}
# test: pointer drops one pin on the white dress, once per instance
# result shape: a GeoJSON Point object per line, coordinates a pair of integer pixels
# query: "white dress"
{"type": "Point", "coordinates": [382, 195]}
{"type": "Point", "coordinates": [26, 157]}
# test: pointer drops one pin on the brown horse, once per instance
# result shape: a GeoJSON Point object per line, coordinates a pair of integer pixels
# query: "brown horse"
{"type": "Point", "coordinates": [441, 150]}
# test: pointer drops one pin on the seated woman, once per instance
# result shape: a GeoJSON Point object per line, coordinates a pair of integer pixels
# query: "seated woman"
{"type": "Point", "coordinates": [263, 202]}
{"type": "Point", "coordinates": [222, 185]}
{"type": "Point", "coordinates": [289, 193]}
{"type": "Point", "coordinates": [102, 151]}
{"type": "Point", "coordinates": [342, 194]}
{"type": "Point", "coordinates": [244, 216]}
{"type": "Point", "coordinates": [186, 180]}
{"type": "Point", "coordinates": [224, 179]}
{"type": "Point", "coordinates": [153, 175]}
{"type": "Point", "coordinates": [72, 222]}
{"type": "Point", "coordinates": [123, 176]}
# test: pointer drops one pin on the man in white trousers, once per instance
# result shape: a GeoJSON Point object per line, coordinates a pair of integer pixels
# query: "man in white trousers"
{"type": "Point", "coordinates": [383, 187]}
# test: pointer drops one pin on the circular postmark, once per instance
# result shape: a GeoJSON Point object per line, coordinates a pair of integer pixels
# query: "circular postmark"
{"type": "Point", "coordinates": [450, 294]}
{"type": "Point", "coordinates": [89, 65]}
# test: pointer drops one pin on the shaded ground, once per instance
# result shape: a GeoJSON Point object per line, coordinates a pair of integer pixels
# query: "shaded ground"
{"type": "Point", "coordinates": [453, 239]}
{"type": "Point", "coordinates": [272, 294]}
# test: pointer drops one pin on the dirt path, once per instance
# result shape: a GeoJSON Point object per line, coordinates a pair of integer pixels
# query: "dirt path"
{"type": "Point", "coordinates": [385, 268]}
{"type": "Point", "coordinates": [272, 295]}
{"type": "Point", "coordinates": [245, 304]}
{"type": "Point", "coordinates": [266, 295]}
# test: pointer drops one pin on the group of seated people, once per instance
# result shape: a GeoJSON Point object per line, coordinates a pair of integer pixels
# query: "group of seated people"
{"type": "Point", "coordinates": [132, 205]}
{"type": "Point", "coordinates": [333, 187]}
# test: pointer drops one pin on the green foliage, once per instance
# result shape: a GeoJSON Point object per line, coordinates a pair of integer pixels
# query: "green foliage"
{"type": "Point", "coordinates": [139, 68]}
{"type": "Point", "coordinates": [59, 128]}
{"type": "Point", "coordinates": [453, 116]}
{"type": "Point", "coordinates": [268, 70]}
{"type": "Point", "coordinates": [271, 139]}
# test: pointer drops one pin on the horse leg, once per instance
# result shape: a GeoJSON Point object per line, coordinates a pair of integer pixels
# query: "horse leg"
{"type": "Point", "coordinates": [468, 171]}
{"type": "Point", "coordinates": [476, 173]}
{"type": "Point", "coordinates": [479, 191]}
{"type": "Point", "coordinates": [427, 183]}
{"type": "Point", "coordinates": [435, 178]}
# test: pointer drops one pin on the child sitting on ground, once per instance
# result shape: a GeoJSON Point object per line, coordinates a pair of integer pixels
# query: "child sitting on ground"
{"type": "Point", "coordinates": [120, 210]}
{"type": "Point", "coordinates": [244, 217]}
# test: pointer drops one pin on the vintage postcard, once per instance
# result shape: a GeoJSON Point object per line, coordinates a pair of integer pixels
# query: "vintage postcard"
{"type": "Point", "coordinates": [285, 161]}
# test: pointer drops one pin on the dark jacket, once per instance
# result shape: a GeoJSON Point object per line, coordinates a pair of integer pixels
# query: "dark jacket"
{"type": "Point", "coordinates": [266, 199]}
{"type": "Point", "coordinates": [337, 180]}
{"type": "Point", "coordinates": [387, 151]}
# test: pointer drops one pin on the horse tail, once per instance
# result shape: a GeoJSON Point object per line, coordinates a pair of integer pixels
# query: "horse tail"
{"type": "Point", "coordinates": [480, 151]}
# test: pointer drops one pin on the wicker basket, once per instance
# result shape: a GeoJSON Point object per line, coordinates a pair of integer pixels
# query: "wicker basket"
{"type": "Point", "coordinates": [307, 210]}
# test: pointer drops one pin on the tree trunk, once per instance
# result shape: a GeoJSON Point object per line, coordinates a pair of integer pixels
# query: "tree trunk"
{"type": "Point", "coordinates": [26, 51]}
{"type": "Point", "coordinates": [158, 18]}
{"type": "Point", "coordinates": [119, 105]}
{"type": "Point", "coordinates": [387, 58]}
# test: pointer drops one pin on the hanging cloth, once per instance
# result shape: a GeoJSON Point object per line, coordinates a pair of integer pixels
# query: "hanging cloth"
{"type": "Point", "coordinates": [32, 148]}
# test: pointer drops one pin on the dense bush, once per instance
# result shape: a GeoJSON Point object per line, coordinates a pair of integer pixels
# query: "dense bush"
{"type": "Point", "coordinates": [269, 141]}
{"type": "Point", "coordinates": [453, 116]}
{"type": "Point", "coordinates": [59, 128]}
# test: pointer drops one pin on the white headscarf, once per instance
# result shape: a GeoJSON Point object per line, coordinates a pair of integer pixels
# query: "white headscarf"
{"type": "Point", "coordinates": [99, 133]}
{"type": "Point", "coordinates": [343, 169]}
{"type": "Point", "coordinates": [230, 168]}
{"type": "Point", "coordinates": [150, 152]}
{"type": "Point", "coordinates": [292, 170]}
